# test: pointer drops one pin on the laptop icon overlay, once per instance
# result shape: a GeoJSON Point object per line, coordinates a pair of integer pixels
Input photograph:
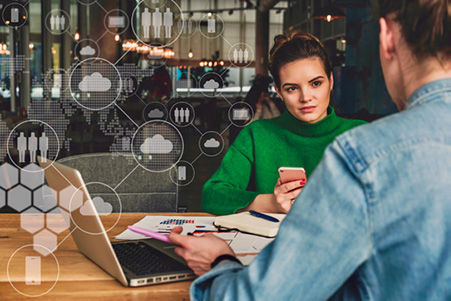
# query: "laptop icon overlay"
{"type": "Point", "coordinates": [133, 263]}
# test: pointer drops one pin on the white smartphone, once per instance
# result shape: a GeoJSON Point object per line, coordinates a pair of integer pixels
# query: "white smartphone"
{"type": "Point", "coordinates": [33, 270]}
{"type": "Point", "coordinates": [290, 174]}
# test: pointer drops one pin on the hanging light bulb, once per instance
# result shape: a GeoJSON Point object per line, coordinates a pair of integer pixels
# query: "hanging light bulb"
{"type": "Point", "coordinates": [117, 38]}
{"type": "Point", "coordinates": [328, 18]}
{"type": "Point", "coordinates": [31, 46]}
{"type": "Point", "coordinates": [77, 36]}
{"type": "Point", "coordinates": [190, 54]}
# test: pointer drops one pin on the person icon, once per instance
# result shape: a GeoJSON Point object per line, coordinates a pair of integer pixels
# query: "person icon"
{"type": "Point", "coordinates": [168, 22]}
{"type": "Point", "coordinates": [240, 56]}
{"type": "Point", "coordinates": [235, 56]}
{"type": "Point", "coordinates": [187, 115]}
{"type": "Point", "coordinates": [43, 146]}
{"type": "Point", "coordinates": [32, 146]}
{"type": "Point", "coordinates": [146, 22]}
{"type": "Point", "coordinates": [57, 23]}
{"type": "Point", "coordinates": [157, 22]}
{"type": "Point", "coordinates": [190, 26]}
{"type": "Point", "coordinates": [246, 56]}
{"type": "Point", "coordinates": [176, 115]}
{"type": "Point", "coordinates": [21, 147]}
{"type": "Point", "coordinates": [52, 22]}
{"type": "Point", "coordinates": [182, 115]}
{"type": "Point", "coordinates": [180, 25]}
{"type": "Point", "coordinates": [63, 22]}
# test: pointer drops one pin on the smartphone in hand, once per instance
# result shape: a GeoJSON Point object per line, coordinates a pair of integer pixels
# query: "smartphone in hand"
{"type": "Point", "coordinates": [290, 174]}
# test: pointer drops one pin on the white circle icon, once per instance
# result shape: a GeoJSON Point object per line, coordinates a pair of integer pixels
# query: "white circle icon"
{"type": "Point", "coordinates": [95, 84]}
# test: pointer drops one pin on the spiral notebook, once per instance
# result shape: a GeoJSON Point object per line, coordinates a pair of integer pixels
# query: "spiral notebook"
{"type": "Point", "coordinates": [245, 222]}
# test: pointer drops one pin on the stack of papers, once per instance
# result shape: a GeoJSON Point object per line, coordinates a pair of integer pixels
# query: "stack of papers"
{"type": "Point", "coordinates": [245, 246]}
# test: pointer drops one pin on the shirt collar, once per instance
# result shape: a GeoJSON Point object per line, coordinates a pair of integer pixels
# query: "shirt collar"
{"type": "Point", "coordinates": [421, 95]}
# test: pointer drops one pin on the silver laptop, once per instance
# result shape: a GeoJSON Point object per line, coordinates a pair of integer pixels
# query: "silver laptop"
{"type": "Point", "coordinates": [132, 263]}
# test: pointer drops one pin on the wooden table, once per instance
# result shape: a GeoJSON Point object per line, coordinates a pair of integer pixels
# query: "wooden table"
{"type": "Point", "coordinates": [79, 278]}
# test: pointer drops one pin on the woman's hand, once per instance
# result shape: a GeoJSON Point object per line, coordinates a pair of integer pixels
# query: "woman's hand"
{"type": "Point", "coordinates": [199, 252]}
{"type": "Point", "coordinates": [259, 104]}
{"type": "Point", "coordinates": [285, 194]}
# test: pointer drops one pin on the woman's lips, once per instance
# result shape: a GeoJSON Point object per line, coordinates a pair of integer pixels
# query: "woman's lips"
{"type": "Point", "coordinates": [308, 109]}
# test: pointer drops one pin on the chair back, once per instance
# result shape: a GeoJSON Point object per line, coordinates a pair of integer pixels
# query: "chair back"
{"type": "Point", "coordinates": [139, 190]}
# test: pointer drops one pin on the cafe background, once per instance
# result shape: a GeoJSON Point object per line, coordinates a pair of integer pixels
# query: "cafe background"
{"type": "Point", "coordinates": [199, 66]}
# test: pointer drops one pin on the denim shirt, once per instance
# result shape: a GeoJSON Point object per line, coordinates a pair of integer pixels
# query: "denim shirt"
{"type": "Point", "coordinates": [373, 222]}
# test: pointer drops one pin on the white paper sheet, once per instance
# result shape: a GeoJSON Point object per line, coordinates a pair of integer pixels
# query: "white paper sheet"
{"type": "Point", "coordinates": [156, 223]}
{"type": "Point", "coordinates": [246, 246]}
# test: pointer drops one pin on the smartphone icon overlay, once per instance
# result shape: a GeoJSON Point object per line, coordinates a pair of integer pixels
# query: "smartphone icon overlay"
{"type": "Point", "coordinates": [182, 173]}
{"type": "Point", "coordinates": [33, 270]}
{"type": "Point", "coordinates": [14, 15]}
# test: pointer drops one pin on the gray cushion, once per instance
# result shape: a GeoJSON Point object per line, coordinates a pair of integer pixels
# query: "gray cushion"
{"type": "Point", "coordinates": [140, 190]}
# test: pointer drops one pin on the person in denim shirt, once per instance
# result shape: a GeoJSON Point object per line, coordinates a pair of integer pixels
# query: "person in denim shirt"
{"type": "Point", "coordinates": [373, 222]}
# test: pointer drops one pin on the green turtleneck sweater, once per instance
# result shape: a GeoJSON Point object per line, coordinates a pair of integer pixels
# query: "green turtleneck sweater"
{"type": "Point", "coordinates": [250, 166]}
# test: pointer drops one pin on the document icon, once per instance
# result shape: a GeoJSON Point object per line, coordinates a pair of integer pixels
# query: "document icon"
{"type": "Point", "coordinates": [240, 114]}
{"type": "Point", "coordinates": [33, 270]}
{"type": "Point", "coordinates": [116, 21]}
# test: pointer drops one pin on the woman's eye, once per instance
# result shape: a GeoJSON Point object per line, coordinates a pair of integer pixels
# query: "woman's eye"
{"type": "Point", "coordinates": [316, 83]}
{"type": "Point", "coordinates": [291, 89]}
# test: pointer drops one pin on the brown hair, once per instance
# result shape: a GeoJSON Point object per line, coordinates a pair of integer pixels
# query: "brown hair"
{"type": "Point", "coordinates": [425, 24]}
{"type": "Point", "coordinates": [292, 46]}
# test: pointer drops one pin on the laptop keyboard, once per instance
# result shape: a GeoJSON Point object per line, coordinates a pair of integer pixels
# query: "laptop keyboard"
{"type": "Point", "coordinates": [142, 259]}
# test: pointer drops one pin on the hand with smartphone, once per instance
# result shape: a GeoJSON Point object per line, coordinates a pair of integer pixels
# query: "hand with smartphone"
{"type": "Point", "coordinates": [289, 186]}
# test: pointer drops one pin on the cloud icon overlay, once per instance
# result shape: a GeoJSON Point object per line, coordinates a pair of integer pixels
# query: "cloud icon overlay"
{"type": "Point", "coordinates": [211, 143]}
{"type": "Point", "coordinates": [211, 84]}
{"type": "Point", "coordinates": [156, 145]}
{"type": "Point", "coordinates": [102, 207]}
{"type": "Point", "coordinates": [94, 83]}
{"type": "Point", "coordinates": [87, 50]}
{"type": "Point", "coordinates": [155, 113]}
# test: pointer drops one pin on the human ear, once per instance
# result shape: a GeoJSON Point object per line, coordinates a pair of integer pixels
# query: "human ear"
{"type": "Point", "coordinates": [386, 39]}
{"type": "Point", "coordinates": [278, 92]}
{"type": "Point", "coordinates": [331, 79]}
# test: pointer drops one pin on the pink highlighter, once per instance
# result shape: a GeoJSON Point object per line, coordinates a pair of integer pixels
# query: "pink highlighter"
{"type": "Point", "coordinates": [149, 233]}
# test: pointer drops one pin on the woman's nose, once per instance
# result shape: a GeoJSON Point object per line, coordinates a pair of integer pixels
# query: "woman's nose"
{"type": "Point", "coordinates": [306, 96]}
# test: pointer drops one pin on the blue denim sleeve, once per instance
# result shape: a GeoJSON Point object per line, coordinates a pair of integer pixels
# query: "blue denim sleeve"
{"type": "Point", "coordinates": [323, 240]}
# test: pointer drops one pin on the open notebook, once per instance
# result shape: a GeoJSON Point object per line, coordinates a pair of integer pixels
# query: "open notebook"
{"type": "Point", "coordinates": [245, 222]}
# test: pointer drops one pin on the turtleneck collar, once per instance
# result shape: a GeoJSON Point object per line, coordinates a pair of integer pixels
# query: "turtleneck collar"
{"type": "Point", "coordinates": [320, 128]}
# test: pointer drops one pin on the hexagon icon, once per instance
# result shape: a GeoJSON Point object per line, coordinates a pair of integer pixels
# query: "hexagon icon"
{"type": "Point", "coordinates": [71, 198]}
{"type": "Point", "coordinates": [58, 220]}
{"type": "Point", "coordinates": [2, 198]}
{"type": "Point", "coordinates": [9, 176]}
{"type": "Point", "coordinates": [19, 198]}
{"type": "Point", "coordinates": [46, 239]}
{"type": "Point", "coordinates": [32, 220]}
{"type": "Point", "coordinates": [32, 176]}
{"type": "Point", "coordinates": [44, 198]}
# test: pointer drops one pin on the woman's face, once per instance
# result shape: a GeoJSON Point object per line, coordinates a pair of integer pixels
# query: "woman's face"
{"type": "Point", "coordinates": [305, 88]}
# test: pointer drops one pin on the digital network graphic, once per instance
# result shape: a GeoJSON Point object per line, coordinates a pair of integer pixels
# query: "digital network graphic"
{"type": "Point", "coordinates": [94, 86]}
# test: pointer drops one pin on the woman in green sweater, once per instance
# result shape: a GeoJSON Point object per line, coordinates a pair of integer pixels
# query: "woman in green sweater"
{"type": "Point", "coordinates": [248, 176]}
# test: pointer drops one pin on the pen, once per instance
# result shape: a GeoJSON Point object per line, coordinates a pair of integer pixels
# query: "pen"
{"type": "Point", "coordinates": [149, 233]}
{"type": "Point", "coordinates": [264, 216]}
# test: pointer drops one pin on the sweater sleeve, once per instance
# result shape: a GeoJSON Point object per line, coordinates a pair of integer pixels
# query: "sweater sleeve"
{"type": "Point", "coordinates": [226, 191]}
